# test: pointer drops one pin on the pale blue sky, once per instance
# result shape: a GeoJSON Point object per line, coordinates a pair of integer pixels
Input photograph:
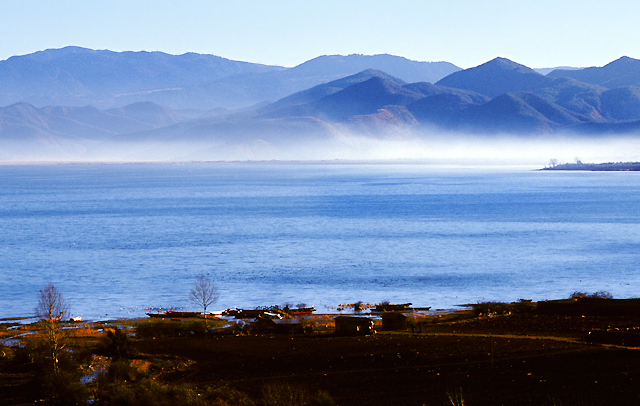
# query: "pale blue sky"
{"type": "Point", "coordinates": [541, 33]}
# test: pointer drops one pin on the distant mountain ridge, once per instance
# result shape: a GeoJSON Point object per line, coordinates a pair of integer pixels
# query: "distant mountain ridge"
{"type": "Point", "coordinates": [499, 97]}
{"type": "Point", "coordinates": [75, 76]}
{"type": "Point", "coordinates": [405, 69]}
{"type": "Point", "coordinates": [326, 89]}
{"type": "Point", "coordinates": [622, 72]}
{"type": "Point", "coordinates": [496, 77]}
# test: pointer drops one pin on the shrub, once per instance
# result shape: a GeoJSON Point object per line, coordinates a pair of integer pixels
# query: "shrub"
{"type": "Point", "coordinates": [116, 344]}
{"type": "Point", "coordinates": [456, 398]}
{"type": "Point", "coordinates": [285, 394]}
{"type": "Point", "coordinates": [152, 392]}
{"type": "Point", "coordinates": [59, 386]}
{"type": "Point", "coordinates": [601, 294]}
{"type": "Point", "coordinates": [490, 308]}
{"type": "Point", "coordinates": [225, 395]}
{"type": "Point", "coordinates": [64, 388]}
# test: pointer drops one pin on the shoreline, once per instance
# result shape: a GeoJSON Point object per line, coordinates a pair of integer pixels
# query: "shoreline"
{"type": "Point", "coordinates": [25, 320]}
{"type": "Point", "coordinates": [327, 162]}
{"type": "Point", "coordinates": [499, 354]}
{"type": "Point", "coordinates": [601, 167]}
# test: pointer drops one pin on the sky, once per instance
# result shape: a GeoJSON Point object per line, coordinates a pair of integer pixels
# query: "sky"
{"type": "Point", "coordinates": [538, 34]}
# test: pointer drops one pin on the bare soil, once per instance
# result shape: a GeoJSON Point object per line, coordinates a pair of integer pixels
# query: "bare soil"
{"type": "Point", "coordinates": [518, 359]}
{"type": "Point", "coordinates": [522, 359]}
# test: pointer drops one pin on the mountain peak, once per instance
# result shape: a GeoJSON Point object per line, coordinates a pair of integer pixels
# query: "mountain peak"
{"type": "Point", "coordinates": [495, 77]}
{"type": "Point", "coordinates": [504, 63]}
{"type": "Point", "coordinates": [623, 61]}
{"type": "Point", "coordinates": [624, 71]}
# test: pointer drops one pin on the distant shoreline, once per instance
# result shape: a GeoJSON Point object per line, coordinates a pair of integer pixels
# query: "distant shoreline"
{"type": "Point", "coordinates": [603, 167]}
{"type": "Point", "coordinates": [398, 161]}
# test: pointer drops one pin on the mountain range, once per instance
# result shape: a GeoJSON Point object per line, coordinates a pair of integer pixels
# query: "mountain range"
{"type": "Point", "coordinates": [80, 104]}
{"type": "Point", "coordinates": [74, 76]}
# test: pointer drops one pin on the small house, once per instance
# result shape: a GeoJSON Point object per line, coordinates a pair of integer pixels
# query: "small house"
{"type": "Point", "coordinates": [350, 326]}
{"type": "Point", "coordinates": [288, 326]}
{"type": "Point", "coordinates": [394, 321]}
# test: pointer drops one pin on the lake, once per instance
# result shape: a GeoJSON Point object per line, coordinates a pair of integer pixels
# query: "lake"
{"type": "Point", "coordinates": [117, 239]}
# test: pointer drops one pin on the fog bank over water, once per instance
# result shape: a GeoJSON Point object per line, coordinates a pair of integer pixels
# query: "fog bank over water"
{"type": "Point", "coordinates": [334, 143]}
{"type": "Point", "coordinates": [495, 150]}
{"type": "Point", "coordinates": [453, 149]}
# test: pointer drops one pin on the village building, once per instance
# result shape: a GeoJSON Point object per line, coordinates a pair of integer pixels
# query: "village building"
{"type": "Point", "coordinates": [349, 325]}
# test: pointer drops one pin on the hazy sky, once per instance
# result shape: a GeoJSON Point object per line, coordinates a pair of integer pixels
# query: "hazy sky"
{"type": "Point", "coordinates": [541, 33]}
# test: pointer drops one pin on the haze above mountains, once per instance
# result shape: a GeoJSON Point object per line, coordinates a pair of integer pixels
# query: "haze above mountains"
{"type": "Point", "coordinates": [76, 104]}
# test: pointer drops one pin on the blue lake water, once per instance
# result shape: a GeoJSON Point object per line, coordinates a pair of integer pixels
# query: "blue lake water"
{"type": "Point", "coordinates": [117, 239]}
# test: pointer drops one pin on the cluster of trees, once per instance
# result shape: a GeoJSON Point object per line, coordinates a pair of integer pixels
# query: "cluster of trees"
{"type": "Point", "coordinates": [58, 368]}
{"type": "Point", "coordinates": [67, 371]}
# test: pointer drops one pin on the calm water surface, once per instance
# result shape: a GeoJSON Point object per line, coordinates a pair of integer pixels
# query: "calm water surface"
{"type": "Point", "coordinates": [117, 239]}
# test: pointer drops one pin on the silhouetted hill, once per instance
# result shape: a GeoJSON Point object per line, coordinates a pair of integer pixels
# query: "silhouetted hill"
{"type": "Point", "coordinates": [550, 105]}
{"type": "Point", "coordinates": [76, 76]}
{"type": "Point", "coordinates": [83, 122]}
{"type": "Point", "coordinates": [361, 98]}
{"type": "Point", "coordinates": [507, 113]}
{"type": "Point", "coordinates": [320, 91]}
{"type": "Point", "coordinates": [403, 68]}
{"type": "Point", "coordinates": [498, 97]}
{"type": "Point", "coordinates": [619, 73]}
{"type": "Point", "coordinates": [442, 105]}
{"type": "Point", "coordinates": [579, 97]}
{"type": "Point", "coordinates": [621, 104]}
{"type": "Point", "coordinates": [277, 85]}
{"type": "Point", "coordinates": [518, 113]}
{"type": "Point", "coordinates": [497, 77]}
{"type": "Point", "coordinates": [586, 100]}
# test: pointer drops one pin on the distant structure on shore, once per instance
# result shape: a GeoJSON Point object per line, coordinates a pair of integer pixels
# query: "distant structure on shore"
{"type": "Point", "coordinates": [608, 166]}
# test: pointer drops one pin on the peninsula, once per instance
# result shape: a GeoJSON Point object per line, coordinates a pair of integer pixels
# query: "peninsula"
{"type": "Point", "coordinates": [608, 166]}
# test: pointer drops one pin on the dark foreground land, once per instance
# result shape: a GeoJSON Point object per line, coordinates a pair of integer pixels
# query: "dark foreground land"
{"type": "Point", "coordinates": [527, 358]}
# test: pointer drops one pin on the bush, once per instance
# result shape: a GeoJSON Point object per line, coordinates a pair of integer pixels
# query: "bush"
{"type": "Point", "coordinates": [284, 394]}
{"type": "Point", "coordinates": [486, 308]}
{"type": "Point", "coordinates": [148, 392]}
{"type": "Point", "coordinates": [64, 388]}
{"type": "Point", "coordinates": [116, 344]}
{"type": "Point", "coordinates": [59, 386]}
{"type": "Point", "coordinates": [601, 294]}
{"type": "Point", "coordinates": [151, 392]}
{"type": "Point", "coordinates": [225, 395]}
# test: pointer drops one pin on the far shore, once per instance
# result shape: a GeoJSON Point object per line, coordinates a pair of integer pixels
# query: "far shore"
{"type": "Point", "coordinates": [601, 167]}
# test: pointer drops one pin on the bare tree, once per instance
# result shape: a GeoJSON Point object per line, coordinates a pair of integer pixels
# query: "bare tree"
{"type": "Point", "coordinates": [204, 294]}
{"type": "Point", "coordinates": [51, 309]}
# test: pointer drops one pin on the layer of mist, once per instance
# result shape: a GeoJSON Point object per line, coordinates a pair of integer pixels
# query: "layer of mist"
{"type": "Point", "coordinates": [332, 144]}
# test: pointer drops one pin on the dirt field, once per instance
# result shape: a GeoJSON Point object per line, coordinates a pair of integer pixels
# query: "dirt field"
{"type": "Point", "coordinates": [519, 359]}
{"type": "Point", "coordinates": [421, 368]}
